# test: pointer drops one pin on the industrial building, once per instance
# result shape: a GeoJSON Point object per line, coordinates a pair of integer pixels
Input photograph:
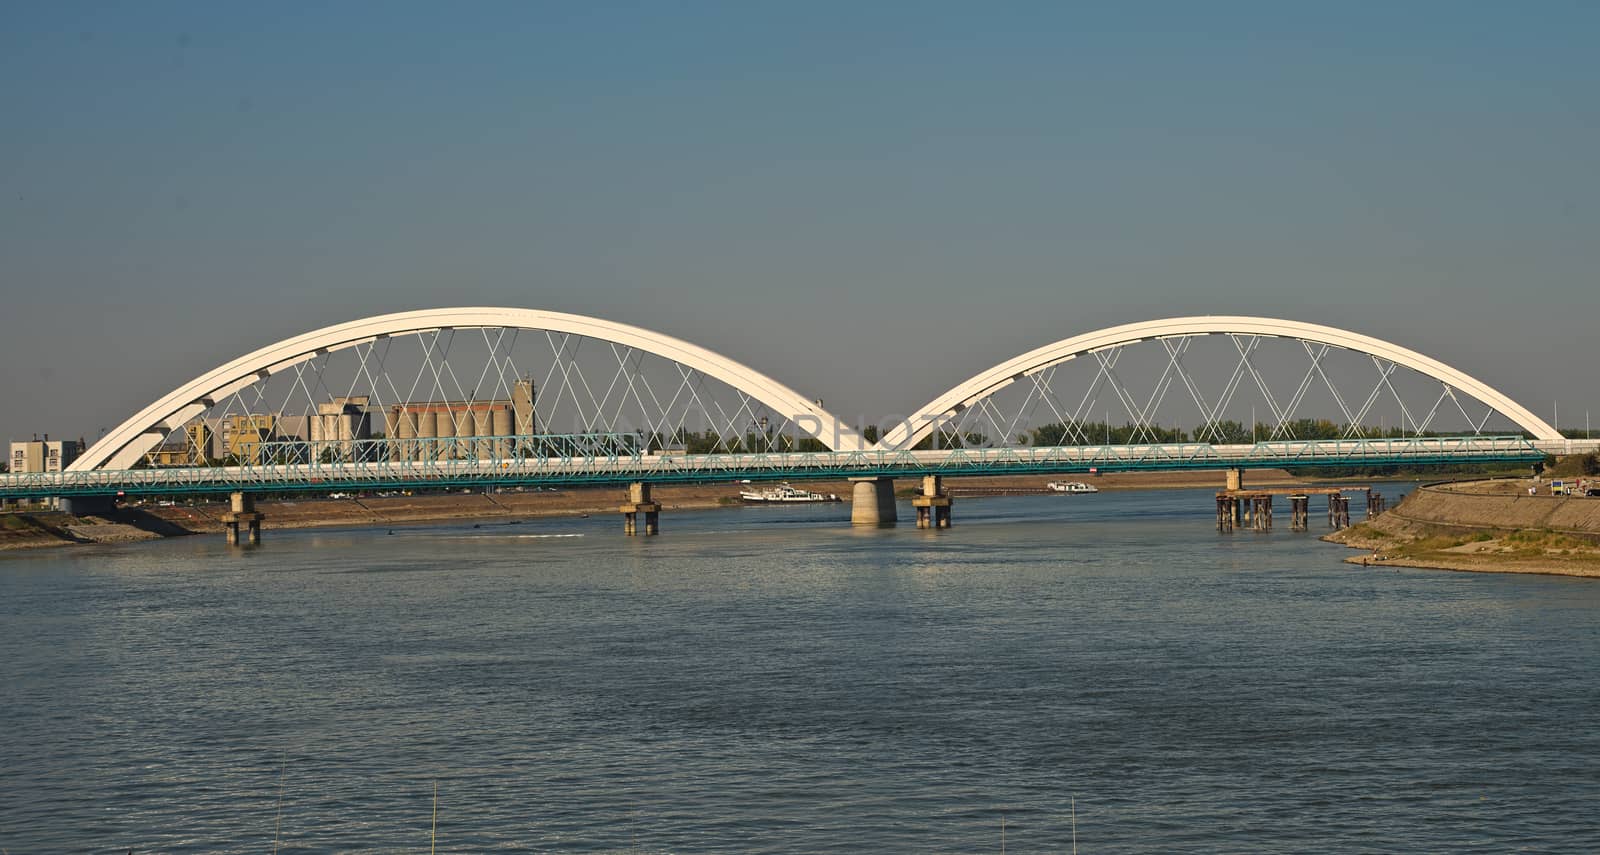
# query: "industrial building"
{"type": "Point", "coordinates": [337, 426]}
{"type": "Point", "coordinates": [478, 430]}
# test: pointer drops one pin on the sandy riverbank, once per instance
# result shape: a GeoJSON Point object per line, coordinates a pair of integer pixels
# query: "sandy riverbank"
{"type": "Point", "coordinates": [1483, 527]}
{"type": "Point", "coordinates": [149, 522]}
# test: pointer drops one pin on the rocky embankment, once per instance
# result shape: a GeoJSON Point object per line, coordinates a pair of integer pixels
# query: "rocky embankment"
{"type": "Point", "coordinates": [52, 528]}
{"type": "Point", "coordinates": [1483, 526]}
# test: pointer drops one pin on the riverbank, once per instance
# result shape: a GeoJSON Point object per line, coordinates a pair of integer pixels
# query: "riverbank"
{"type": "Point", "coordinates": [32, 530]}
{"type": "Point", "coordinates": [1482, 527]}
{"type": "Point", "coordinates": [40, 529]}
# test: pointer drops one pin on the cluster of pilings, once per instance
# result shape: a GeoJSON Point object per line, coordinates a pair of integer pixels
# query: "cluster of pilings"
{"type": "Point", "coordinates": [1253, 510]}
{"type": "Point", "coordinates": [1240, 508]}
{"type": "Point", "coordinates": [1338, 510]}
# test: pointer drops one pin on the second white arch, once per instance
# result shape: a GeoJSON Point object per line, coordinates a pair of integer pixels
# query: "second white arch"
{"type": "Point", "coordinates": [986, 383]}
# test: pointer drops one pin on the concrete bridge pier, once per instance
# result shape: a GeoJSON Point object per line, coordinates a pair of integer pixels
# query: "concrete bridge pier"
{"type": "Point", "coordinates": [243, 513]}
{"type": "Point", "coordinates": [933, 506]}
{"type": "Point", "coordinates": [1240, 509]}
{"type": "Point", "coordinates": [872, 502]}
{"type": "Point", "coordinates": [639, 502]}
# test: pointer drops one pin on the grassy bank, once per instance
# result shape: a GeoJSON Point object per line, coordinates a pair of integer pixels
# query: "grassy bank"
{"type": "Point", "coordinates": [1484, 527]}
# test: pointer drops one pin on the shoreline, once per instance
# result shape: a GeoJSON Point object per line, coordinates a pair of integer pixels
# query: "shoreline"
{"type": "Point", "coordinates": [1483, 526]}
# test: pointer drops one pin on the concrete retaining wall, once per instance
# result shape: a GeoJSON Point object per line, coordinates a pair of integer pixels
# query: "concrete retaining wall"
{"type": "Point", "coordinates": [1440, 505]}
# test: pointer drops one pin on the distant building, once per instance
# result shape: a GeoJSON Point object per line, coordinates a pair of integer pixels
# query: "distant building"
{"type": "Point", "coordinates": [196, 446]}
{"type": "Point", "coordinates": [243, 436]}
{"type": "Point", "coordinates": [44, 455]}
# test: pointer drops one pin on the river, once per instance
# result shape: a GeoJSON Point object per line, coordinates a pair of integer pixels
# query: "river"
{"type": "Point", "coordinates": [770, 680]}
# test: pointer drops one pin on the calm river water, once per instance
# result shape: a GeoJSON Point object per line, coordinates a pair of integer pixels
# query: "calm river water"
{"type": "Point", "coordinates": [768, 680]}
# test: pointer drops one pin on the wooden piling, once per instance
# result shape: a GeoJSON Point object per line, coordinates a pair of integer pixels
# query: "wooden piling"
{"type": "Point", "coordinates": [1227, 512]}
{"type": "Point", "coordinates": [1261, 513]}
{"type": "Point", "coordinates": [1338, 511]}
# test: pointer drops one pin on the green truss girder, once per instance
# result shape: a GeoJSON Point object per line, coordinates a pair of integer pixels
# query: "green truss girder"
{"type": "Point", "coordinates": [621, 462]}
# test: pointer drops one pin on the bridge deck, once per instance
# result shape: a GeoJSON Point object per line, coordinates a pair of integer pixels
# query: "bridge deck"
{"type": "Point", "coordinates": [706, 468]}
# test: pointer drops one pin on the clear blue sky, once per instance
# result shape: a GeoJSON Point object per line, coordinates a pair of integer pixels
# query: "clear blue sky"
{"type": "Point", "coordinates": [806, 187]}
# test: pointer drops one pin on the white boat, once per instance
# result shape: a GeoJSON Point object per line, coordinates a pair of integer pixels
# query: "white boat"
{"type": "Point", "coordinates": [1071, 487]}
{"type": "Point", "coordinates": [785, 494]}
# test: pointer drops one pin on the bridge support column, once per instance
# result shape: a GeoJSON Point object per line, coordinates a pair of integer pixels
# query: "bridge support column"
{"type": "Point", "coordinates": [1338, 511]}
{"type": "Point", "coordinates": [1374, 503]}
{"type": "Point", "coordinates": [1299, 513]}
{"type": "Point", "coordinates": [639, 502]}
{"type": "Point", "coordinates": [1235, 479]}
{"type": "Point", "coordinates": [933, 506]}
{"type": "Point", "coordinates": [243, 513]}
{"type": "Point", "coordinates": [872, 502]}
{"type": "Point", "coordinates": [1261, 513]}
{"type": "Point", "coordinates": [1227, 512]}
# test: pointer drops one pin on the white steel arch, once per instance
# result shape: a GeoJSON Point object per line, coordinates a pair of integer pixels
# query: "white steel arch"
{"type": "Point", "coordinates": [122, 447]}
{"type": "Point", "coordinates": [980, 386]}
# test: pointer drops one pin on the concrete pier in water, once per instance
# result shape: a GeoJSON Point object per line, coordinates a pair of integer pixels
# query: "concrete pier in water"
{"type": "Point", "coordinates": [872, 502]}
{"type": "Point", "coordinates": [243, 513]}
{"type": "Point", "coordinates": [640, 503]}
{"type": "Point", "coordinates": [933, 506]}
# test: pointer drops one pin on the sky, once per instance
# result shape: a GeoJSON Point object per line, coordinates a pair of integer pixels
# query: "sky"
{"type": "Point", "coordinates": [869, 202]}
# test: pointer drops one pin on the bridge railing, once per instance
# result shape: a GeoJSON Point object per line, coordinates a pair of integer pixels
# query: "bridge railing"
{"type": "Point", "coordinates": [611, 462]}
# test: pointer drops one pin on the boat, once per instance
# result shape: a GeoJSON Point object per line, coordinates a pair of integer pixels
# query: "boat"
{"type": "Point", "coordinates": [785, 494]}
{"type": "Point", "coordinates": [1071, 487]}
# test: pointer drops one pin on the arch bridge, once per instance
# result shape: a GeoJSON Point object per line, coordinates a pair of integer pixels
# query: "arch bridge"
{"type": "Point", "coordinates": [484, 396]}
